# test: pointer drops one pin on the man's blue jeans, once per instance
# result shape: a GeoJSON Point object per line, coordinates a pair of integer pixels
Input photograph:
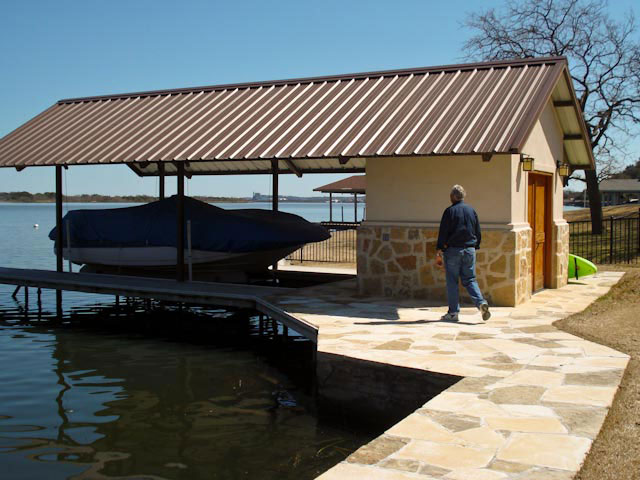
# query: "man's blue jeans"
{"type": "Point", "coordinates": [460, 264]}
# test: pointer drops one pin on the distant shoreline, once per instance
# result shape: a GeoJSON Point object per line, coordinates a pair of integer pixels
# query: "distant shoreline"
{"type": "Point", "coordinates": [50, 197]}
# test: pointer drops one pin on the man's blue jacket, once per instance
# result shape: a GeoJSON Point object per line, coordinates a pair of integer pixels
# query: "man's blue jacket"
{"type": "Point", "coordinates": [459, 227]}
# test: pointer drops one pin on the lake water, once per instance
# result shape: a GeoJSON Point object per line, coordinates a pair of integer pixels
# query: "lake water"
{"type": "Point", "coordinates": [160, 393]}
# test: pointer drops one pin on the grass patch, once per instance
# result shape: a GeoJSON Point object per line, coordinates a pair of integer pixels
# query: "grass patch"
{"type": "Point", "coordinates": [613, 320]}
{"type": "Point", "coordinates": [611, 211]}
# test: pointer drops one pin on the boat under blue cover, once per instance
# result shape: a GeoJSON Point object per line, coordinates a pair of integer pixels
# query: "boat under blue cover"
{"type": "Point", "coordinates": [212, 229]}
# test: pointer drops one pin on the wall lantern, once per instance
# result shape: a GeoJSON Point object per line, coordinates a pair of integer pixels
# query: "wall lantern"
{"type": "Point", "coordinates": [563, 169]}
{"type": "Point", "coordinates": [527, 163]}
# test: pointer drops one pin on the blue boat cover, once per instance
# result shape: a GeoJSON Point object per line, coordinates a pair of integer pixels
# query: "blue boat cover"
{"type": "Point", "coordinates": [212, 229]}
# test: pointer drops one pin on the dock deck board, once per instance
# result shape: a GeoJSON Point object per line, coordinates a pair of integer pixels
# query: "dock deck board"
{"type": "Point", "coordinates": [202, 293]}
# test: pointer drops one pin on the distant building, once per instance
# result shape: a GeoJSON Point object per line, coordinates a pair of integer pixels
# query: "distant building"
{"type": "Point", "coordinates": [616, 191]}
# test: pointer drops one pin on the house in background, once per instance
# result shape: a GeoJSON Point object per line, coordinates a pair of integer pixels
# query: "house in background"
{"type": "Point", "coordinates": [616, 191]}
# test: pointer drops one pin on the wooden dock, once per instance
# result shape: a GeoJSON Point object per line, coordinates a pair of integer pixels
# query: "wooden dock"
{"type": "Point", "coordinates": [199, 293]}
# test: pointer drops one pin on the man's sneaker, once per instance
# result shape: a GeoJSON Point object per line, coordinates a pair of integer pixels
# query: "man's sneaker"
{"type": "Point", "coordinates": [449, 317]}
{"type": "Point", "coordinates": [484, 309]}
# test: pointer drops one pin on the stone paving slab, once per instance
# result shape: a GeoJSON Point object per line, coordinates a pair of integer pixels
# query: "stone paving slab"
{"type": "Point", "coordinates": [532, 401]}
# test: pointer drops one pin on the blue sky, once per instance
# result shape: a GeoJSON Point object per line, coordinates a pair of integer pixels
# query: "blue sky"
{"type": "Point", "coordinates": [63, 48]}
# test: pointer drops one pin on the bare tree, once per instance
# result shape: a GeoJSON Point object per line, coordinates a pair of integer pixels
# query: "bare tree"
{"type": "Point", "coordinates": [604, 62]}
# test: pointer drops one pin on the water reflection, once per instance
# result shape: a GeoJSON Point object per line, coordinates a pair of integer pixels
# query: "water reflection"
{"type": "Point", "coordinates": [82, 401]}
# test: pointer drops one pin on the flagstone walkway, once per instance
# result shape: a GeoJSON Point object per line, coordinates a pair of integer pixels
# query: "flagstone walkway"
{"type": "Point", "coordinates": [532, 400]}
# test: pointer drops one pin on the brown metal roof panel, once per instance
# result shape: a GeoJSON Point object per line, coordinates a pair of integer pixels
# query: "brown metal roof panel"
{"type": "Point", "coordinates": [219, 142]}
{"type": "Point", "coordinates": [469, 108]}
{"type": "Point", "coordinates": [319, 118]}
{"type": "Point", "coordinates": [433, 114]}
{"type": "Point", "coordinates": [181, 126]}
{"type": "Point", "coordinates": [21, 133]}
{"type": "Point", "coordinates": [539, 100]}
{"type": "Point", "coordinates": [276, 125]}
{"type": "Point", "coordinates": [518, 113]}
{"type": "Point", "coordinates": [222, 103]}
{"type": "Point", "coordinates": [517, 108]}
{"type": "Point", "coordinates": [112, 144]}
{"type": "Point", "coordinates": [67, 133]}
{"type": "Point", "coordinates": [249, 145]}
{"type": "Point", "coordinates": [478, 117]}
{"type": "Point", "coordinates": [109, 133]}
{"type": "Point", "coordinates": [49, 131]}
{"type": "Point", "coordinates": [302, 120]}
{"type": "Point", "coordinates": [406, 118]}
{"type": "Point", "coordinates": [376, 121]}
{"type": "Point", "coordinates": [261, 119]}
{"type": "Point", "coordinates": [396, 118]}
{"type": "Point", "coordinates": [295, 126]}
{"type": "Point", "coordinates": [201, 139]}
{"type": "Point", "coordinates": [496, 115]}
{"type": "Point", "coordinates": [348, 123]}
{"type": "Point", "coordinates": [361, 126]}
{"type": "Point", "coordinates": [509, 104]}
{"type": "Point", "coordinates": [159, 132]}
{"type": "Point", "coordinates": [332, 118]}
{"type": "Point", "coordinates": [357, 124]}
{"type": "Point", "coordinates": [453, 112]}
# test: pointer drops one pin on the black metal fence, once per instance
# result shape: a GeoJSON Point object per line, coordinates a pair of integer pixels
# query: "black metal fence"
{"type": "Point", "coordinates": [619, 241]}
{"type": "Point", "coordinates": [340, 248]}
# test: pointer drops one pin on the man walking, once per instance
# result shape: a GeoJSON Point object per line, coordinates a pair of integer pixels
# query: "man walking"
{"type": "Point", "coordinates": [458, 238]}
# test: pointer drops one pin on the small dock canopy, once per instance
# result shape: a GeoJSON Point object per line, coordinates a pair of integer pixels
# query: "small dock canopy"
{"type": "Point", "coordinates": [309, 125]}
{"type": "Point", "coordinates": [353, 184]}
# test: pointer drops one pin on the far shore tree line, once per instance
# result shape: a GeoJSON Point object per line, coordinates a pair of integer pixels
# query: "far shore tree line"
{"type": "Point", "coordinates": [49, 197]}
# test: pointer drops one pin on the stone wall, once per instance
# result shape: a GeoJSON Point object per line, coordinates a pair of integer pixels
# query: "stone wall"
{"type": "Point", "coordinates": [398, 261]}
{"type": "Point", "coordinates": [560, 254]}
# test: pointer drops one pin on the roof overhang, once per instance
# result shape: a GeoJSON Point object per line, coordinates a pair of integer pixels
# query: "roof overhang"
{"type": "Point", "coordinates": [313, 125]}
{"type": "Point", "coordinates": [577, 146]}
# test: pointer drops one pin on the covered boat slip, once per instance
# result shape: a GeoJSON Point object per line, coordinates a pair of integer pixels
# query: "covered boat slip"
{"type": "Point", "coordinates": [399, 125]}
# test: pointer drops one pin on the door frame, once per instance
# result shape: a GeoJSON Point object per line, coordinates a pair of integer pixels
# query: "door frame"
{"type": "Point", "coordinates": [548, 225]}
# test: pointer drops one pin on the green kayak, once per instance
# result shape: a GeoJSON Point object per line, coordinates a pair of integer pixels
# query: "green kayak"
{"type": "Point", "coordinates": [580, 267]}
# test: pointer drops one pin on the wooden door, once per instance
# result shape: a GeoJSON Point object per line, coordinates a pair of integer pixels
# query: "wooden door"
{"type": "Point", "coordinates": [538, 192]}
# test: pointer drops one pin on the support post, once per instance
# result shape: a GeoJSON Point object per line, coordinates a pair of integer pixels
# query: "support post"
{"type": "Point", "coordinates": [330, 207]}
{"type": "Point", "coordinates": [161, 180]}
{"type": "Point", "coordinates": [355, 207]}
{"type": "Point", "coordinates": [274, 172]}
{"type": "Point", "coordinates": [274, 197]}
{"type": "Point", "coordinates": [180, 226]}
{"type": "Point", "coordinates": [59, 243]}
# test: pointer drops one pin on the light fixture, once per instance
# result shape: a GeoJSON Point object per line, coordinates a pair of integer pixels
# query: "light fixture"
{"type": "Point", "coordinates": [527, 162]}
{"type": "Point", "coordinates": [563, 169]}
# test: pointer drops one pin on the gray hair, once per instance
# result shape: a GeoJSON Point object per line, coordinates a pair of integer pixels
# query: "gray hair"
{"type": "Point", "coordinates": [458, 193]}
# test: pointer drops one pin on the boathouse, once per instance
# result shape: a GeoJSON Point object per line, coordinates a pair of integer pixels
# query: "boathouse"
{"type": "Point", "coordinates": [505, 130]}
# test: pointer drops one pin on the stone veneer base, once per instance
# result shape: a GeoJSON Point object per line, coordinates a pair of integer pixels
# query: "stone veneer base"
{"type": "Point", "coordinates": [399, 261]}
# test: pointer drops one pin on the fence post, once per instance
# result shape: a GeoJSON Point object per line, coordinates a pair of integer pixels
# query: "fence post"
{"type": "Point", "coordinates": [611, 239]}
{"type": "Point", "coordinates": [638, 229]}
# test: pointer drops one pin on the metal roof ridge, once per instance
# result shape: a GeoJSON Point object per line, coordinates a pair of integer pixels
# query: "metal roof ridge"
{"type": "Point", "coordinates": [326, 78]}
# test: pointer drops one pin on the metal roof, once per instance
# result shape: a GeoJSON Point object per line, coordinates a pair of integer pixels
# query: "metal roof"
{"type": "Point", "coordinates": [620, 185]}
{"type": "Point", "coordinates": [352, 184]}
{"type": "Point", "coordinates": [321, 124]}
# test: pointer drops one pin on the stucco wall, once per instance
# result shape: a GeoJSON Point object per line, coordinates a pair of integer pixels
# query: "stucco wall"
{"type": "Point", "coordinates": [545, 145]}
{"type": "Point", "coordinates": [417, 189]}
